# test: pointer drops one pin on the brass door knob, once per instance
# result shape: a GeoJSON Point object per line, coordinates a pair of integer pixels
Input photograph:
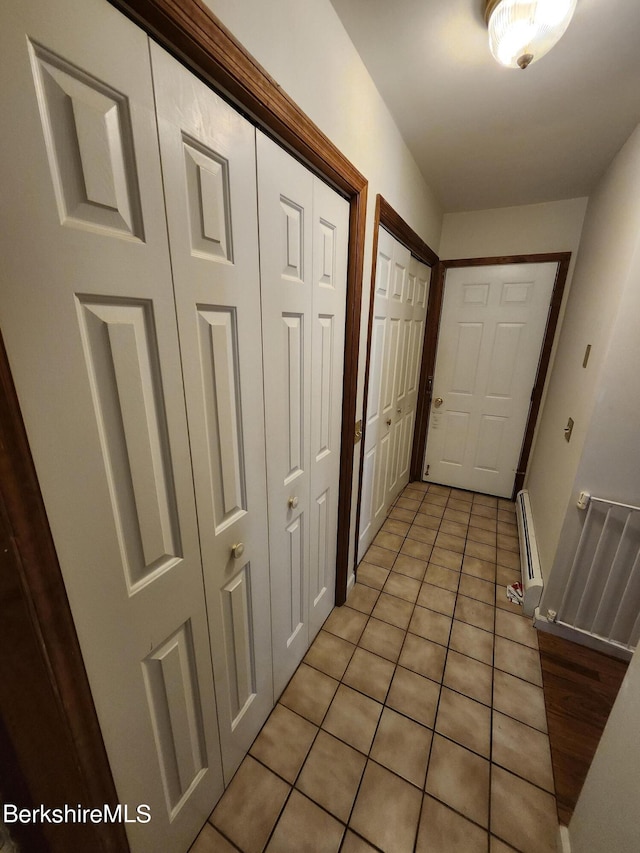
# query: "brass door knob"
{"type": "Point", "coordinates": [293, 503]}
{"type": "Point", "coordinates": [438, 402]}
{"type": "Point", "coordinates": [237, 550]}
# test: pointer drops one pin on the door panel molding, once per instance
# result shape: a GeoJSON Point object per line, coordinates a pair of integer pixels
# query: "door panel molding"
{"type": "Point", "coordinates": [191, 32]}
{"type": "Point", "coordinates": [436, 298]}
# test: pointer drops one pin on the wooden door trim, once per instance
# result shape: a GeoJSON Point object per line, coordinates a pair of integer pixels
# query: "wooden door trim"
{"type": "Point", "coordinates": [429, 356]}
{"type": "Point", "coordinates": [386, 216]}
{"type": "Point", "coordinates": [563, 261]}
{"type": "Point", "coordinates": [189, 30]}
{"type": "Point", "coordinates": [50, 629]}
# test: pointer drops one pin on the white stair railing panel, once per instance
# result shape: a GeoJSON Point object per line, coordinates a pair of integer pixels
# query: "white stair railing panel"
{"type": "Point", "coordinates": [602, 596]}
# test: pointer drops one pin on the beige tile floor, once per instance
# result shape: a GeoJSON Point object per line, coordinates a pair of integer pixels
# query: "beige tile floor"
{"type": "Point", "coordinates": [416, 721]}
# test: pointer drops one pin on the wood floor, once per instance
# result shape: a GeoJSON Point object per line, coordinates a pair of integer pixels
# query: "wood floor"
{"type": "Point", "coordinates": [580, 687]}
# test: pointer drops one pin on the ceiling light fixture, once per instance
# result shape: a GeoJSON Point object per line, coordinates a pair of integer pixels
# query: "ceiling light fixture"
{"type": "Point", "coordinates": [521, 31]}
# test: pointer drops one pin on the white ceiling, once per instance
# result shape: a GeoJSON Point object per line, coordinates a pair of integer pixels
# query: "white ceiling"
{"type": "Point", "coordinates": [485, 136]}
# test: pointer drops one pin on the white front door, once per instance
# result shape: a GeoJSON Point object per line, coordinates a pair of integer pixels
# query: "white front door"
{"type": "Point", "coordinates": [88, 316]}
{"type": "Point", "coordinates": [397, 335]}
{"type": "Point", "coordinates": [491, 333]}
{"type": "Point", "coordinates": [208, 162]}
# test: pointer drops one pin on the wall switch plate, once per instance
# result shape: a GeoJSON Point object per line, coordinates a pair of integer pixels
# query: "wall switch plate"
{"type": "Point", "coordinates": [568, 429]}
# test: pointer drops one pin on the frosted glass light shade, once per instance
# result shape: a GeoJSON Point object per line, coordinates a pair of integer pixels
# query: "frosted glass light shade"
{"type": "Point", "coordinates": [521, 31]}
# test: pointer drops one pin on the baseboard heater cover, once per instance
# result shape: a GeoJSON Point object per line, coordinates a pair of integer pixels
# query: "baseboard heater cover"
{"type": "Point", "coordinates": [530, 563]}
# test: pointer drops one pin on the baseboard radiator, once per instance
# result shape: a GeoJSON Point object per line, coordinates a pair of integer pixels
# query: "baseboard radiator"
{"type": "Point", "coordinates": [529, 560]}
{"type": "Point", "coordinates": [602, 596]}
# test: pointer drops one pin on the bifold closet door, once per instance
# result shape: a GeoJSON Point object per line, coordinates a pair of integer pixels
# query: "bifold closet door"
{"type": "Point", "coordinates": [397, 335]}
{"type": "Point", "coordinates": [330, 239]}
{"type": "Point", "coordinates": [88, 316]}
{"type": "Point", "coordinates": [208, 162]}
{"type": "Point", "coordinates": [406, 388]}
{"type": "Point", "coordinates": [303, 254]}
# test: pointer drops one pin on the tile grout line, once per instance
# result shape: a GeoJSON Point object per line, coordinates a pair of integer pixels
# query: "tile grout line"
{"type": "Point", "coordinates": [396, 663]}
{"type": "Point", "coordinates": [444, 669]}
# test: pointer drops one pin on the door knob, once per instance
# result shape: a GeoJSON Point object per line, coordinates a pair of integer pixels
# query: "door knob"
{"type": "Point", "coordinates": [438, 402]}
{"type": "Point", "coordinates": [293, 503]}
{"type": "Point", "coordinates": [399, 411]}
{"type": "Point", "coordinates": [388, 421]}
{"type": "Point", "coordinates": [237, 550]}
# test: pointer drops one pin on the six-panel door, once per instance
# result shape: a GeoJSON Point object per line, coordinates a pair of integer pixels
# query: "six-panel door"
{"type": "Point", "coordinates": [491, 332]}
{"type": "Point", "coordinates": [397, 335]}
{"type": "Point", "coordinates": [208, 160]}
{"type": "Point", "coordinates": [303, 256]}
{"type": "Point", "coordinates": [88, 316]}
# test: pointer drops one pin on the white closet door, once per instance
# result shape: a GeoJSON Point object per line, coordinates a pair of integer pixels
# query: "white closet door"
{"type": "Point", "coordinates": [208, 162]}
{"type": "Point", "coordinates": [388, 386]}
{"type": "Point", "coordinates": [285, 201]}
{"type": "Point", "coordinates": [330, 244]}
{"type": "Point", "coordinates": [406, 389]}
{"type": "Point", "coordinates": [88, 316]}
{"type": "Point", "coordinates": [394, 390]}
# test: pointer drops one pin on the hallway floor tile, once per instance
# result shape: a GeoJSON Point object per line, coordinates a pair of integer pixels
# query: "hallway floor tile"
{"type": "Point", "coordinates": [417, 720]}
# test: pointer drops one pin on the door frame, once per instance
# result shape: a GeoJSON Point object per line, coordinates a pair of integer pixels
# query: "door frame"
{"type": "Point", "coordinates": [191, 32]}
{"type": "Point", "coordinates": [431, 346]}
{"type": "Point", "coordinates": [387, 217]}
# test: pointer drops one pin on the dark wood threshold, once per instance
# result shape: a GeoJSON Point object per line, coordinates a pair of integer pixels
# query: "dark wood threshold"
{"type": "Point", "coordinates": [580, 687]}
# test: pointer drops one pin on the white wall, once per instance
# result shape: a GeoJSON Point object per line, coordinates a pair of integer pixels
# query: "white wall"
{"type": "Point", "coordinates": [304, 47]}
{"type": "Point", "coordinates": [602, 293]}
{"type": "Point", "coordinates": [606, 815]}
{"type": "Point", "coordinates": [528, 229]}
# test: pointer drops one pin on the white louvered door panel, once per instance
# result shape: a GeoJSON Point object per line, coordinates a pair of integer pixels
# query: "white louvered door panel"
{"type": "Point", "coordinates": [208, 160]}
{"type": "Point", "coordinates": [285, 202]}
{"type": "Point", "coordinates": [88, 317]}
{"type": "Point", "coordinates": [330, 243]}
